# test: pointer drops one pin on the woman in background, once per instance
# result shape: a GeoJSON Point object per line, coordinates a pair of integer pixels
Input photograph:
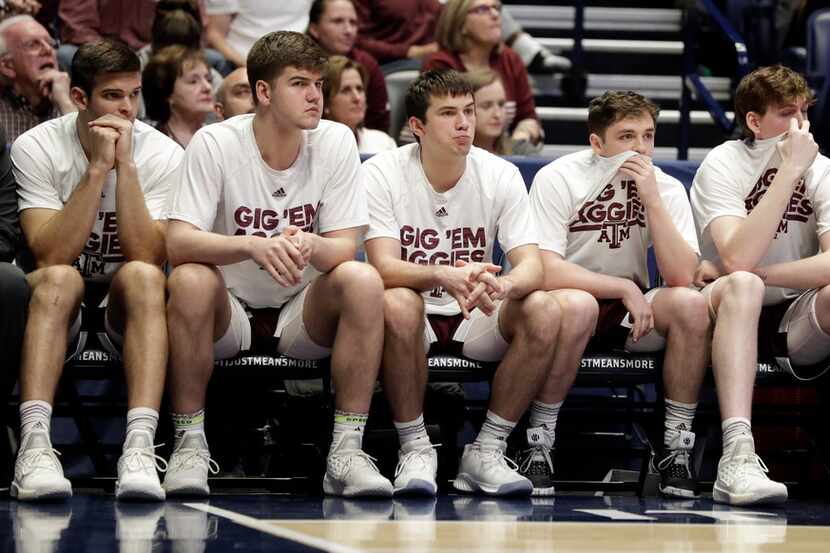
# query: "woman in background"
{"type": "Point", "coordinates": [344, 91]}
{"type": "Point", "coordinates": [178, 92]}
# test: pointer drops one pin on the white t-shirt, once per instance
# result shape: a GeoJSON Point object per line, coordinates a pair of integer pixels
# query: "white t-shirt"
{"type": "Point", "coordinates": [255, 18]}
{"type": "Point", "coordinates": [227, 188]}
{"type": "Point", "coordinates": [591, 214]}
{"type": "Point", "coordinates": [489, 201]}
{"type": "Point", "coordinates": [732, 180]}
{"type": "Point", "coordinates": [49, 163]}
{"type": "Point", "coordinates": [372, 141]}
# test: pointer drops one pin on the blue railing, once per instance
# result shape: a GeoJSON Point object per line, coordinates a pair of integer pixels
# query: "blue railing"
{"type": "Point", "coordinates": [692, 80]}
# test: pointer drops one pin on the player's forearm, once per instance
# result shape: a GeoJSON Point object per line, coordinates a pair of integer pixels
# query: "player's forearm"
{"type": "Point", "coordinates": [141, 238]}
{"type": "Point", "coordinates": [810, 272]}
{"type": "Point", "coordinates": [564, 274]}
{"type": "Point", "coordinates": [675, 259]}
{"type": "Point", "coordinates": [62, 239]}
{"type": "Point", "coordinates": [330, 252]}
{"type": "Point", "coordinates": [197, 246]}
{"type": "Point", "coordinates": [749, 243]}
{"type": "Point", "coordinates": [397, 273]}
{"type": "Point", "coordinates": [526, 277]}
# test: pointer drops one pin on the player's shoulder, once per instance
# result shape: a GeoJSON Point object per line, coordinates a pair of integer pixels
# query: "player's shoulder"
{"type": "Point", "coordinates": [329, 134]}
{"type": "Point", "coordinates": [394, 161]}
{"type": "Point", "coordinates": [147, 137]}
{"type": "Point", "coordinates": [569, 164]}
{"type": "Point", "coordinates": [52, 135]}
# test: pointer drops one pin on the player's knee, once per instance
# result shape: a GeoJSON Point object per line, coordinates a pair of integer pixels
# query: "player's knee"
{"type": "Point", "coordinates": [59, 286]}
{"type": "Point", "coordinates": [579, 312]}
{"type": "Point", "coordinates": [191, 281]}
{"type": "Point", "coordinates": [142, 276]}
{"type": "Point", "coordinates": [358, 281]}
{"type": "Point", "coordinates": [823, 299]}
{"type": "Point", "coordinates": [403, 312]}
{"type": "Point", "coordinates": [541, 317]}
{"type": "Point", "coordinates": [743, 286]}
{"type": "Point", "coordinates": [690, 309]}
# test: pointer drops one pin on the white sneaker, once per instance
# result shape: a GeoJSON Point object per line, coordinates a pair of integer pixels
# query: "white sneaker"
{"type": "Point", "coordinates": [38, 474]}
{"type": "Point", "coordinates": [137, 476]}
{"type": "Point", "coordinates": [742, 478]}
{"type": "Point", "coordinates": [350, 472]}
{"type": "Point", "coordinates": [484, 468]}
{"type": "Point", "coordinates": [417, 468]}
{"type": "Point", "coordinates": [188, 468]}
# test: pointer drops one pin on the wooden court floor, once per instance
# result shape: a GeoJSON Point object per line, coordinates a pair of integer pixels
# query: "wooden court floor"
{"type": "Point", "coordinates": [451, 523]}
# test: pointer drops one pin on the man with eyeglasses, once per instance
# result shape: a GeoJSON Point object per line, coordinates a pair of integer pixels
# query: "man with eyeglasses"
{"type": "Point", "coordinates": [33, 89]}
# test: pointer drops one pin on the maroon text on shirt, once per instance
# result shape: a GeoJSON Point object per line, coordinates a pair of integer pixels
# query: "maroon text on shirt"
{"type": "Point", "coordinates": [420, 245]}
{"type": "Point", "coordinates": [264, 222]}
{"type": "Point", "coordinates": [798, 210]}
{"type": "Point", "coordinates": [610, 216]}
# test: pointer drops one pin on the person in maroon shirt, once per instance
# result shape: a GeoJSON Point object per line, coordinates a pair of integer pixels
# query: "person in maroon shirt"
{"type": "Point", "coordinates": [393, 30]}
{"type": "Point", "coordinates": [333, 24]}
{"type": "Point", "coordinates": [469, 34]}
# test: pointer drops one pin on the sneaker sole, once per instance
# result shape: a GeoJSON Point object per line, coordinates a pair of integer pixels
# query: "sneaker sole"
{"type": "Point", "coordinates": [466, 483]}
{"type": "Point", "coordinates": [22, 494]}
{"type": "Point", "coordinates": [769, 498]}
{"type": "Point", "coordinates": [671, 491]}
{"type": "Point", "coordinates": [137, 494]}
{"type": "Point", "coordinates": [543, 492]}
{"type": "Point", "coordinates": [418, 487]}
{"type": "Point", "coordinates": [189, 490]}
{"type": "Point", "coordinates": [331, 487]}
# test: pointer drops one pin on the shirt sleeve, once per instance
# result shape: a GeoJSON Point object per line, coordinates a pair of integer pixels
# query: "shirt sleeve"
{"type": "Point", "coordinates": [33, 171]}
{"type": "Point", "coordinates": [551, 210]}
{"type": "Point", "coordinates": [821, 202]}
{"type": "Point", "coordinates": [680, 211]}
{"type": "Point", "coordinates": [195, 197]}
{"type": "Point", "coordinates": [525, 104]}
{"type": "Point", "coordinates": [343, 204]}
{"type": "Point", "coordinates": [377, 97]}
{"type": "Point", "coordinates": [221, 7]}
{"type": "Point", "coordinates": [163, 181]}
{"type": "Point", "coordinates": [714, 194]}
{"type": "Point", "coordinates": [516, 226]}
{"type": "Point", "coordinates": [382, 220]}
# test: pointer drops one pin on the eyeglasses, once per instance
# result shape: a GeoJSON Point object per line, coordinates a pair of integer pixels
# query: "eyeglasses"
{"type": "Point", "coordinates": [36, 45]}
{"type": "Point", "coordinates": [485, 9]}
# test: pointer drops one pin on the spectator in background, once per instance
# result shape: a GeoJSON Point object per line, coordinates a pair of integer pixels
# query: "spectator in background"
{"type": "Point", "coordinates": [393, 30]}
{"type": "Point", "coordinates": [234, 96]}
{"type": "Point", "coordinates": [344, 95]}
{"type": "Point", "coordinates": [469, 33]}
{"type": "Point", "coordinates": [401, 34]}
{"type": "Point", "coordinates": [84, 21]}
{"type": "Point", "coordinates": [333, 24]}
{"type": "Point", "coordinates": [234, 25]}
{"type": "Point", "coordinates": [178, 92]}
{"type": "Point", "coordinates": [33, 89]}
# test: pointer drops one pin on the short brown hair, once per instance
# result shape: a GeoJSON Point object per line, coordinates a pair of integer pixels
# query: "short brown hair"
{"type": "Point", "coordinates": [159, 78]}
{"type": "Point", "coordinates": [766, 87]}
{"type": "Point", "coordinates": [334, 74]}
{"type": "Point", "coordinates": [446, 82]}
{"type": "Point", "coordinates": [272, 53]}
{"type": "Point", "coordinates": [99, 58]}
{"type": "Point", "coordinates": [614, 105]}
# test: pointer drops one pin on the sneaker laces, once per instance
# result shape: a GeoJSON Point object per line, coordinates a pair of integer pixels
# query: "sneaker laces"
{"type": "Point", "coordinates": [497, 457]}
{"type": "Point", "coordinates": [753, 465]}
{"type": "Point", "coordinates": [189, 457]}
{"type": "Point", "coordinates": [415, 453]}
{"type": "Point", "coordinates": [137, 459]}
{"type": "Point", "coordinates": [677, 458]}
{"type": "Point", "coordinates": [531, 453]}
{"type": "Point", "coordinates": [30, 460]}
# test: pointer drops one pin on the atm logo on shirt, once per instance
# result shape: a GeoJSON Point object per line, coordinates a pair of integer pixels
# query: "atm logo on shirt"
{"type": "Point", "coordinates": [611, 215]}
{"type": "Point", "coordinates": [799, 209]}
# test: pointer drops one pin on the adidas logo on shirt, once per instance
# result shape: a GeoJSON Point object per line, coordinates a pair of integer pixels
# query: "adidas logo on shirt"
{"type": "Point", "coordinates": [279, 193]}
{"type": "Point", "coordinates": [441, 212]}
